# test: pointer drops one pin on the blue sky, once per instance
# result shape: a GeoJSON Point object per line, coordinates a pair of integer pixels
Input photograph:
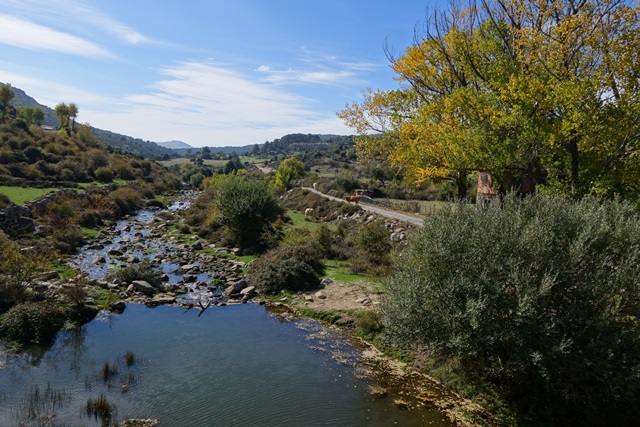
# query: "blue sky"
{"type": "Point", "coordinates": [205, 72]}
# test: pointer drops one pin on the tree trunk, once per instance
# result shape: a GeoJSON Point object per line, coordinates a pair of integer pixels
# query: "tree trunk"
{"type": "Point", "coordinates": [572, 148]}
{"type": "Point", "coordinates": [461, 183]}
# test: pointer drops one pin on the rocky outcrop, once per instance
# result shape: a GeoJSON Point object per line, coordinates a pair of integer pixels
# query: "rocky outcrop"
{"type": "Point", "coordinates": [15, 219]}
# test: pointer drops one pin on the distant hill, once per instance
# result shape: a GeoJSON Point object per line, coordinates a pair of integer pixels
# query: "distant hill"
{"type": "Point", "coordinates": [124, 143]}
{"type": "Point", "coordinates": [246, 149]}
{"type": "Point", "coordinates": [287, 145]}
{"type": "Point", "coordinates": [21, 99]}
{"type": "Point", "coordinates": [174, 145]}
{"type": "Point", "coordinates": [137, 146]}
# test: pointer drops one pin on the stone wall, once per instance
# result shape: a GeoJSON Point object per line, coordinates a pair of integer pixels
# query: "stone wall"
{"type": "Point", "coordinates": [16, 219]}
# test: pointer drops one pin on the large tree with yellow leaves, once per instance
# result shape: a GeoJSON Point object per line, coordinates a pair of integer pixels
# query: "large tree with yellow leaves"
{"type": "Point", "coordinates": [547, 90]}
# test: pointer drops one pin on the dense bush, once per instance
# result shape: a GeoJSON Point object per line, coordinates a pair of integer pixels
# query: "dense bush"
{"type": "Point", "coordinates": [4, 201]}
{"type": "Point", "coordinates": [127, 199]}
{"type": "Point", "coordinates": [245, 207]}
{"type": "Point", "coordinates": [540, 297]}
{"type": "Point", "coordinates": [104, 174]}
{"type": "Point", "coordinates": [373, 248]}
{"type": "Point", "coordinates": [18, 270]}
{"type": "Point", "coordinates": [288, 170]}
{"type": "Point", "coordinates": [32, 323]}
{"type": "Point", "coordinates": [144, 270]}
{"type": "Point", "coordinates": [293, 268]}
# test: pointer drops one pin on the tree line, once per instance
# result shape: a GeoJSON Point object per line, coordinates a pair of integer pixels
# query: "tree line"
{"type": "Point", "coordinates": [542, 90]}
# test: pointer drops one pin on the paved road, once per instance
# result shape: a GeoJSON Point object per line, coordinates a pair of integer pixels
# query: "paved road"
{"type": "Point", "coordinates": [384, 212]}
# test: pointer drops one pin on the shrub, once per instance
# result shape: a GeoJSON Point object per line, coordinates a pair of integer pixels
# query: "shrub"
{"type": "Point", "coordinates": [127, 199]}
{"type": "Point", "coordinates": [373, 249]}
{"type": "Point", "coordinates": [347, 183]}
{"type": "Point", "coordinates": [18, 269]}
{"type": "Point", "coordinates": [104, 174]}
{"type": "Point", "coordinates": [245, 207]}
{"type": "Point", "coordinates": [4, 201]}
{"type": "Point", "coordinates": [288, 170]}
{"type": "Point", "coordinates": [144, 270]}
{"type": "Point", "coordinates": [540, 297]}
{"type": "Point", "coordinates": [67, 240]}
{"type": "Point", "coordinates": [32, 323]}
{"type": "Point", "coordinates": [293, 268]}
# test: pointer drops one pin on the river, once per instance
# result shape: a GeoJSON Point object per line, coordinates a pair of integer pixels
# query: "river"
{"type": "Point", "coordinates": [230, 365]}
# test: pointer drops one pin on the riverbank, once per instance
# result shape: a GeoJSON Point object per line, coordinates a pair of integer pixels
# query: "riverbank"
{"type": "Point", "coordinates": [197, 274]}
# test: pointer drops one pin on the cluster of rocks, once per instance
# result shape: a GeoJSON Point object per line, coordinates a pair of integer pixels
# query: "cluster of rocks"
{"type": "Point", "coordinates": [15, 219]}
{"type": "Point", "coordinates": [398, 230]}
{"type": "Point", "coordinates": [198, 280]}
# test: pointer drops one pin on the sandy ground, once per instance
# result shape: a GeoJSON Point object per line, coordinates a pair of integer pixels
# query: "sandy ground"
{"type": "Point", "coordinates": [339, 296]}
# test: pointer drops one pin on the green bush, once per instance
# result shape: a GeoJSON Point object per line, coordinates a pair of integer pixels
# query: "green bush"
{"type": "Point", "coordinates": [127, 199]}
{"type": "Point", "coordinates": [32, 323]}
{"type": "Point", "coordinates": [104, 174]}
{"type": "Point", "coordinates": [293, 268]}
{"type": "Point", "coordinates": [288, 170]}
{"type": "Point", "coordinates": [144, 270]}
{"type": "Point", "coordinates": [4, 201]}
{"type": "Point", "coordinates": [245, 207]}
{"type": "Point", "coordinates": [67, 240]}
{"type": "Point", "coordinates": [372, 249]}
{"type": "Point", "coordinates": [19, 268]}
{"type": "Point", "coordinates": [539, 297]}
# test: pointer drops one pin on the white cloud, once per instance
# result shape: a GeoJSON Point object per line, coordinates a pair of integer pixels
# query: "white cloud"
{"type": "Point", "coordinates": [206, 104]}
{"type": "Point", "coordinates": [76, 14]}
{"type": "Point", "coordinates": [28, 35]}
{"type": "Point", "coordinates": [50, 93]}
{"type": "Point", "coordinates": [320, 69]}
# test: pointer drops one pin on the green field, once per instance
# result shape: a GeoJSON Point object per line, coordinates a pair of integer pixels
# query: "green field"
{"type": "Point", "coordinates": [210, 162]}
{"type": "Point", "coordinates": [20, 195]}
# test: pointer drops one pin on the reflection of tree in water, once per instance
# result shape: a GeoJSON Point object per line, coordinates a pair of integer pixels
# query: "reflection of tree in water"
{"type": "Point", "coordinates": [33, 355]}
{"type": "Point", "coordinates": [73, 342]}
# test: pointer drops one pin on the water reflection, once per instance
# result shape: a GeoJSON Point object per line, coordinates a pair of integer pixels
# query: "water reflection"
{"type": "Point", "coordinates": [234, 365]}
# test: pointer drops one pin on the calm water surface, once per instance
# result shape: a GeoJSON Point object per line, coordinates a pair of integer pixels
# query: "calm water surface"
{"type": "Point", "coordinates": [237, 365]}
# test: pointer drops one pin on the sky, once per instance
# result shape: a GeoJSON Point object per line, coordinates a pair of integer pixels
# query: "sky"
{"type": "Point", "coordinates": [206, 72]}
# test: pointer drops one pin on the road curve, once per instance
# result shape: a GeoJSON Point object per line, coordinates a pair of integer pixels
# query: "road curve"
{"type": "Point", "coordinates": [383, 212]}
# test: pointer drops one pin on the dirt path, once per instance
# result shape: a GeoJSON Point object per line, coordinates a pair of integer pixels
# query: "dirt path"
{"type": "Point", "coordinates": [380, 211]}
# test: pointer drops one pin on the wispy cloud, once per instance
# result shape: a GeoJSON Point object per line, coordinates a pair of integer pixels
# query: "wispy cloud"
{"type": "Point", "coordinates": [320, 69]}
{"type": "Point", "coordinates": [206, 104]}
{"type": "Point", "coordinates": [78, 15]}
{"type": "Point", "coordinates": [48, 92]}
{"type": "Point", "coordinates": [29, 35]}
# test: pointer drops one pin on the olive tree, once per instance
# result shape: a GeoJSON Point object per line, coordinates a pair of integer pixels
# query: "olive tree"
{"type": "Point", "coordinates": [540, 297]}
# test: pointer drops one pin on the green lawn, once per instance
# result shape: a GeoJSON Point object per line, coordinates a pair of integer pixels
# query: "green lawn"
{"type": "Point", "coordinates": [299, 221]}
{"type": "Point", "coordinates": [210, 162]}
{"type": "Point", "coordinates": [336, 270]}
{"type": "Point", "coordinates": [20, 195]}
{"type": "Point", "coordinates": [102, 184]}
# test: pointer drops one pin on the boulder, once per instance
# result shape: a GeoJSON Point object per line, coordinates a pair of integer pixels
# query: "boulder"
{"type": "Point", "coordinates": [190, 278]}
{"type": "Point", "coordinates": [164, 299]}
{"type": "Point", "coordinates": [144, 287]}
{"type": "Point", "coordinates": [236, 287]}
{"type": "Point", "coordinates": [320, 295]}
{"type": "Point", "coordinates": [248, 290]}
{"type": "Point", "coordinates": [49, 275]}
{"type": "Point", "coordinates": [117, 306]}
